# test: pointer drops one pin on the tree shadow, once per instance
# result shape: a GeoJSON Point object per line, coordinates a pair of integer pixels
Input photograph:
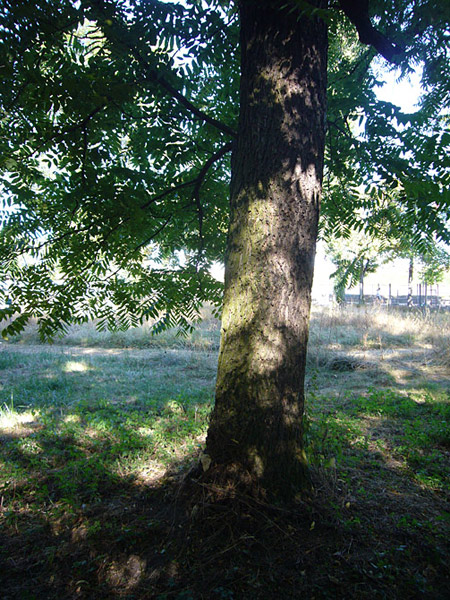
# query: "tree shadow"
{"type": "Point", "coordinates": [195, 541]}
{"type": "Point", "coordinates": [366, 530]}
{"type": "Point", "coordinates": [74, 526]}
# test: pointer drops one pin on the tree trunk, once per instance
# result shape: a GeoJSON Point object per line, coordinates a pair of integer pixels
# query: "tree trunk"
{"type": "Point", "coordinates": [410, 271]}
{"type": "Point", "coordinates": [361, 285]}
{"type": "Point", "coordinates": [409, 300]}
{"type": "Point", "coordinates": [277, 165]}
{"type": "Point", "coordinates": [362, 274]}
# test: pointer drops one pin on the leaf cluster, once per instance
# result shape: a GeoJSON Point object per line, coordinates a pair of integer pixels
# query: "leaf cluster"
{"type": "Point", "coordinates": [112, 163]}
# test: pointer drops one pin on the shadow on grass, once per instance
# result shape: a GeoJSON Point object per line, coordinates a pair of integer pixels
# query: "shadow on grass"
{"type": "Point", "coordinates": [76, 519]}
{"type": "Point", "coordinates": [76, 527]}
{"type": "Point", "coordinates": [87, 510]}
{"type": "Point", "coordinates": [412, 430]}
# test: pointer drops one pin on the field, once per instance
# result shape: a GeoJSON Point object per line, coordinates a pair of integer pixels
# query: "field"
{"type": "Point", "coordinates": [99, 430]}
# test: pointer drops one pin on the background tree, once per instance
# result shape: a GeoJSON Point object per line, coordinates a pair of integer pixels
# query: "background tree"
{"type": "Point", "coordinates": [355, 256]}
{"type": "Point", "coordinates": [434, 265]}
{"type": "Point", "coordinates": [117, 122]}
{"type": "Point", "coordinates": [387, 233]}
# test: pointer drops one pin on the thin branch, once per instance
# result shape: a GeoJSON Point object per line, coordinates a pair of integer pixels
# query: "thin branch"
{"type": "Point", "coordinates": [15, 99]}
{"type": "Point", "coordinates": [138, 247]}
{"type": "Point", "coordinates": [54, 240]}
{"type": "Point", "coordinates": [153, 76]}
{"type": "Point", "coordinates": [167, 192]}
{"type": "Point", "coordinates": [59, 135]}
{"type": "Point", "coordinates": [197, 181]}
{"type": "Point", "coordinates": [84, 157]}
{"type": "Point", "coordinates": [346, 133]}
{"type": "Point", "coordinates": [198, 184]}
{"type": "Point", "coordinates": [208, 164]}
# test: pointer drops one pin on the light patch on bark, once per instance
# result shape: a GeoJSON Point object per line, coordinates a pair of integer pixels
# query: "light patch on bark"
{"type": "Point", "coordinates": [256, 460]}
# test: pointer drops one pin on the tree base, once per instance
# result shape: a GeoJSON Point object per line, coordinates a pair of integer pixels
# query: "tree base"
{"type": "Point", "coordinates": [234, 480]}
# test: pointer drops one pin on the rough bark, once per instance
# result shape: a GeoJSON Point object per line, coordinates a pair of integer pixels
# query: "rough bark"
{"type": "Point", "coordinates": [277, 165]}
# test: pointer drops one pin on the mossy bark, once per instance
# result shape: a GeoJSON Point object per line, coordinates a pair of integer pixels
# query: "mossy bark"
{"type": "Point", "coordinates": [277, 166]}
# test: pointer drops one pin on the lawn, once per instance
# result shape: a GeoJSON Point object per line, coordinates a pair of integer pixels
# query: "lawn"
{"type": "Point", "coordinates": [99, 430]}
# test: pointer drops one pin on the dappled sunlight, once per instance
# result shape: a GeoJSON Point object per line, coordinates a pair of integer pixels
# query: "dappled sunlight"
{"type": "Point", "coordinates": [99, 351]}
{"type": "Point", "coordinates": [94, 496]}
{"type": "Point", "coordinates": [150, 473]}
{"type": "Point", "coordinates": [127, 573]}
{"type": "Point", "coordinates": [81, 489]}
{"type": "Point", "coordinates": [406, 433]}
{"type": "Point", "coordinates": [98, 432]}
{"type": "Point", "coordinates": [30, 447]}
{"type": "Point", "coordinates": [72, 366]}
{"type": "Point", "coordinates": [11, 420]}
{"type": "Point", "coordinates": [146, 431]}
{"type": "Point", "coordinates": [72, 419]}
{"type": "Point", "coordinates": [101, 452]}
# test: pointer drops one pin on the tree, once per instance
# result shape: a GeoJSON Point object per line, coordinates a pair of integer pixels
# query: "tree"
{"type": "Point", "coordinates": [355, 256]}
{"type": "Point", "coordinates": [435, 264]}
{"type": "Point", "coordinates": [389, 233]}
{"type": "Point", "coordinates": [275, 194]}
{"type": "Point", "coordinates": [118, 120]}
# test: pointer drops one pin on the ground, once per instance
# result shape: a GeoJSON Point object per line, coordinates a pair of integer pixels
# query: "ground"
{"type": "Point", "coordinates": [99, 496]}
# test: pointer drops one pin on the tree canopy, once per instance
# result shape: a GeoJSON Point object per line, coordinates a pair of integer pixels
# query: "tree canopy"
{"type": "Point", "coordinates": [117, 123]}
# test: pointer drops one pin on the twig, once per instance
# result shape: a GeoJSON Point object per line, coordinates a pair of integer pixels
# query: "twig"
{"type": "Point", "coordinates": [136, 248]}
{"type": "Point", "coordinates": [81, 125]}
{"type": "Point", "coordinates": [198, 184]}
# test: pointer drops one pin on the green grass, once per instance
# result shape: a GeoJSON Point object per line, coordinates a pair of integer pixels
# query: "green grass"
{"type": "Point", "coordinates": [75, 424]}
{"type": "Point", "coordinates": [385, 426]}
{"type": "Point", "coordinates": [90, 436]}
{"type": "Point", "coordinates": [97, 414]}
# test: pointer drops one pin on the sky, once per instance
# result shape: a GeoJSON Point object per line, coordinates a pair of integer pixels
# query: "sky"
{"type": "Point", "coordinates": [404, 93]}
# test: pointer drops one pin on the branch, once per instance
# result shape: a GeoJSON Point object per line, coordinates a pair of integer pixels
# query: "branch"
{"type": "Point", "coordinates": [199, 181]}
{"type": "Point", "coordinates": [54, 240]}
{"type": "Point", "coordinates": [167, 192]}
{"type": "Point", "coordinates": [138, 247]}
{"type": "Point", "coordinates": [152, 75]}
{"type": "Point", "coordinates": [346, 133]}
{"type": "Point", "coordinates": [208, 164]}
{"type": "Point", "coordinates": [358, 13]}
{"type": "Point", "coordinates": [83, 160]}
{"type": "Point", "coordinates": [60, 134]}
{"type": "Point", "coordinates": [15, 99]}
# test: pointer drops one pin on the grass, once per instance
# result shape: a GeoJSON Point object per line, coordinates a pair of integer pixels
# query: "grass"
{"type": "Point", "coordinates": [77, 413]}
{"type": "Point", "coordinates": [206, 336]}
{"type": "Point", "coordinates": [96, 433]}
